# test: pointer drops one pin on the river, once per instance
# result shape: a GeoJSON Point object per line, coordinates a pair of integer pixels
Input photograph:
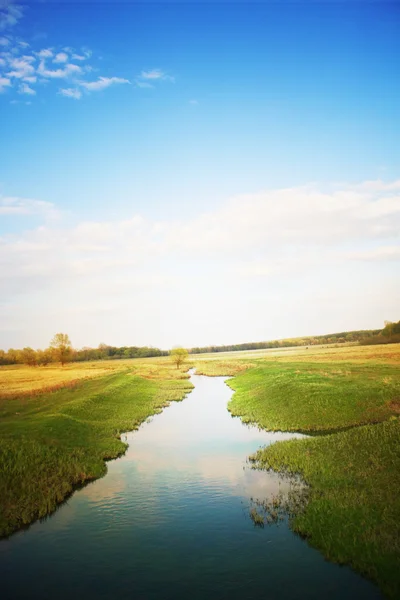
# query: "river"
{"type": "Point", "coordinates": [170, 520]}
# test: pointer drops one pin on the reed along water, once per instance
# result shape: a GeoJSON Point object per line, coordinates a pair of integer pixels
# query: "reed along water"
{"type": "Point", "coordinates": [171, 520]}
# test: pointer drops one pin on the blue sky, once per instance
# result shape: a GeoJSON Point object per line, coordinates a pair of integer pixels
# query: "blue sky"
{"type": "Point", "coordinates": [198, 173]}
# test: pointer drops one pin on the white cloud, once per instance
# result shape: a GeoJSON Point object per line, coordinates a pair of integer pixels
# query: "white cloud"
{"type": "Point", "coordinates": [22, 67]}
{"type": "Point", "coordinates": [61, 57]}
{"type": "Point", "coordinates": [102, 83]}
{"type": "Point", "coordinates": [381, 253]}
{"type": "Point", "coordinates": [34, 66]}
{"type": "Point", "coordinates": [10, 14]}
{"type": "Point", "coordinates": [67, 71]}
{"type": "Point", "coordinates": [155, 74]}
{"type": "Point", "coordinates": [305, 251]}
{"type": "Point", "coordinates": [10, 205]}
{"type": "Point", "coordinates": [194, 102]}
{"type": "Point", "coordinates": [5, 82]}
{"type": "Point", "coordinates": [25, 89]}
{"type": "Point", "coordinates": [85, 55]}
{"type": "Point", "coordinates": [271, 231]}
{"type": "Point", "coordinates": [143, 84]}
{"type": "Point", "coordinates": [45, 53]}
{"type": "Point", "coordinates": [71, 93]}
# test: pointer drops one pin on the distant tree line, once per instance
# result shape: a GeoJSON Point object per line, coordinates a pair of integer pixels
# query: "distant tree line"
{"type": "Point", "coordinates": [331, 338]}
{"type": "Point", "coordinates": [390, 334]}
{"type": "Point", "coordinates": [61, 351]}
{"type": "Point", "coordinates": [103, 351]}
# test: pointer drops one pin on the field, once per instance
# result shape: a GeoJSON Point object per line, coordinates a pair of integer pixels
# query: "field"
{"type": "Point", "coordinates": [54, 441]}
{"type": "Point", "coordinates": [58, 425]}
{"type": "Point", "coordinates": [17, 380]}
{"type": "Point", "coordinates": [352, 512]}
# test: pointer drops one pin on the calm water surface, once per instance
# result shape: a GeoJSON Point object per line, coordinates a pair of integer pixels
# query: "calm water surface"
{"type": "Point", "coordinates": [171, 520]}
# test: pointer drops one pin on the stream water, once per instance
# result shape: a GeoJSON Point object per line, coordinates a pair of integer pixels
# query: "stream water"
{"type": "Point", "coordinates": [170, 520]}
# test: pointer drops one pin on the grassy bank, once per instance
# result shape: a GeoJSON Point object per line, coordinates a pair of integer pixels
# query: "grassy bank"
{"type": "Point", "coordinates": [353, 498]}
{"type": "Point", "coordinates": [314, 397]}
{"type": "Point", "coordinates": [353, 509]}
{"type": "Point", "coordinates": [55, 441]}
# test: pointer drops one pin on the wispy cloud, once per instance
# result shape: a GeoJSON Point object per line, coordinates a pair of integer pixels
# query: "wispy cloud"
{"type": "Point", "coordinates": [45, 53]}
{"type": "Point", "coordinates": [21, 66]}
{"type": "Point", "coordinates": [26, 89]}
{"type": "Point", "coordinates": [148, 79]}
{"type": "Point", "coordinates": [322, 228]}
{"type": "Point", "coordinates": [28, 68]}
{"type": "Point", "coordinates": [143, 84]}
{"type": "Point", "coordinates": [27, 103]}
{"type": "Point", "coordinates": [5, 82]}
{"type": "Point", "coordinates": [11, 205]}
{"type": "Point", "coordinates": [71, 93]}
{"type": "Point", "coordinates": [86, 54]}
{"type": "Point", "coordinates": [156, 75]}
{"type": "Point", "coordinates": [102, 83]}
{"type": "Point", "coordinates": [10, 14]}
{"type": "Point", "coordinates": [67, 71]}
{"type": "Point", "coordinates": [298, 248]}
{"type": "Point", "coordinates": [61, 57]}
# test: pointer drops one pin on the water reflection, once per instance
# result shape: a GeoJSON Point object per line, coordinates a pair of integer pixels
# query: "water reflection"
{"type": "Point", "coordinates": [171, 520]}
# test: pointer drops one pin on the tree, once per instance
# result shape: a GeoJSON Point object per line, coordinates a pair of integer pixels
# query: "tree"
{"type": "Point", "coordinates": [12, 356]}
{"type": "Point", "coordinates": [104, 350]}
{"type": "Point", "coordinates": [28, 357]}
{"type": "Point", "coordinates": [179, 355]}
{"type": "Point", "coordinates": [61, 345]}
{"type": "Point", "coordinates": [388, 329]}
{"type": "Point", "coordinates": [44, 357]}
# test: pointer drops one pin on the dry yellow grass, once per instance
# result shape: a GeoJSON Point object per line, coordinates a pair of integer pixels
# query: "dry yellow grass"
{"type": "Point", "coordinates": [385, 354]}
{"type": "Point", "coordinates": [389, 353]}
{"type": "Point", "coordinates": [22, 380]}
{"type": "Point", "coordinates": [18, 380]}
{"type": "Point", "coordinates": [213, 368]}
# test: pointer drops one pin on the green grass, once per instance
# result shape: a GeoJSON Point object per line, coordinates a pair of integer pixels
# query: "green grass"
{"type": "Point", "coordinates": [353, 510]}
{"type": "Point", "coordinates": [52, 442]}
{"type": "Point", "coordinates": [352, 513]}
{"type": "Point", "coordinates": [314, 397]}
{"type": "Point", "coordinates": [56, 441]}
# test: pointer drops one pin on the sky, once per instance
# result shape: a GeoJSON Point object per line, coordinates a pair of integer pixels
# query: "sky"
{"type": "Point", "coordinates": [198, 173]}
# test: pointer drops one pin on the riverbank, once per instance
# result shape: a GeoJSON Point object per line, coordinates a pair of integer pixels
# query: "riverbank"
{"type": "Point", "coordinates": [52, 443]}
{"type": "Point", "coordinates": [353, 509]}
{"type": "Point", "coordinates": [353, 502]}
